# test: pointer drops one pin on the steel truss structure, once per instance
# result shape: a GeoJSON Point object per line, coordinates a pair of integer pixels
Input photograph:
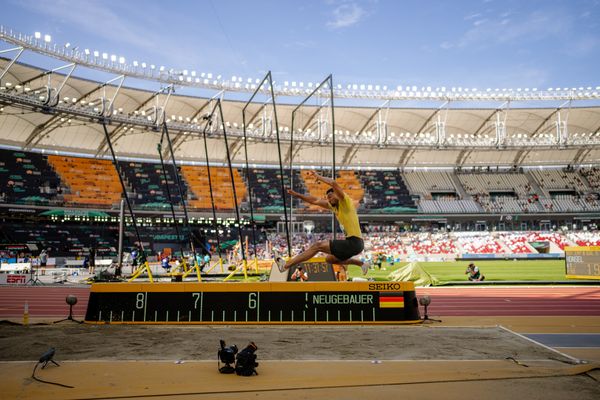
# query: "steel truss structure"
{"type": "Point", "coordinates": [407, 131]}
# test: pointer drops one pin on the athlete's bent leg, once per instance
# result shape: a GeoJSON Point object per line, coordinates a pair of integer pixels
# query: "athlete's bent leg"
{"type": "Point", "coordinates": [315, 248]}
{"type": "Point", "coordinates": [364, 266]}
{"type": "Point", "coordinates": [351, 261]}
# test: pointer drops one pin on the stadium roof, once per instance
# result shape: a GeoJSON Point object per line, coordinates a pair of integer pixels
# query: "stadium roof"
{"type": "Point", "coordinates": [56, 111]}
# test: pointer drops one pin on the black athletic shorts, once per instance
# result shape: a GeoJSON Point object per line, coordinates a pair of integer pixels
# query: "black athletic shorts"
{"type": "Point", "coordinates": [345, 249]}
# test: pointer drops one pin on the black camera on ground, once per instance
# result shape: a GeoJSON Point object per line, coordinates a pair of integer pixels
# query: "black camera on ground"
{"type": "Point", "coordinates": [245, 363]}
{"type": "Point", "coordinates": [245, 360]}
{"type": "Point", "coordinates": [226, 355]}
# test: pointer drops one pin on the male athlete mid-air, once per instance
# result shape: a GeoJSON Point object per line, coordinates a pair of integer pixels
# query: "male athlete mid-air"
{"type": "Point", "coordinates": [338, 251]}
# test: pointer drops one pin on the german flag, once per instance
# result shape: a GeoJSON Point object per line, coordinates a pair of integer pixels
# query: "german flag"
{"type": "Point", "coordinates": [391, 300]}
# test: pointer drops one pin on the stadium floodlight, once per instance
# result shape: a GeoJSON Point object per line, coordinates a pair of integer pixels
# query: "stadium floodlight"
{"type": "Point", "coordinates": [67, 45]}
{"type": "Point", "coordinates": [161, 68]}
{"type": "Point", "coordinates": [135, 64]}
{"type": "Point", "coordinates": [113, 58]}
{"type": "Point", "coordinates": [47, 38]}
{"type": "Point", "coordinates": [96, 53]}
{"type": "Point", "coordinates": [37, 35]}
{"type": "Point", "coordinates": [193, 73]}
{"type": "Point", "coordinates": [121, 60]}
{"type": "Point", "coordinates": [104, 56]}
{"type": "Point", "coordinates": [152, 66]}
{"type": "Point", "coordinates": [87, 52]}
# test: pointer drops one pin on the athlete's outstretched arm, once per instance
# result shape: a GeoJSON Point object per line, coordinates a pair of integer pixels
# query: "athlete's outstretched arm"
{"type": "Point", "coordinates": [329, 181]}
{"type": "Point", "coordinates": [309, 199]}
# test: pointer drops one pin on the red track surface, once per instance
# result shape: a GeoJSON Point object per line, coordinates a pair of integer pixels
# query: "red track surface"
{"type": "Point", "coordinates": [49, 302]}
{"type": "Point", "coordinates": [511, 301]}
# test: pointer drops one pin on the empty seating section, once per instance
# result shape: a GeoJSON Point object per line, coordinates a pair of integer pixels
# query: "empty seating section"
{"type": "Point", "coordinates": [266, 188]}
{"type": "Point", "coordinates": [592, 175]}
{"type": "Point", "coordinates": [554, 237]}
{"type": "Point", "coordinates": [585, 238]}
{"type": "Point", "coordinates": [197, 180]}
{"type": "Point", "coordinates": [386, 243]}
{"type": "Point", "coordinates": [449, 206]}
{"type": "Point", "coordinates": [67, 240]}
{"type": "Point", "coordinates": [553, 179]}
{"type": "Point", "coordinates": [385, 190]}
{"type": "Point", "coordinates": [33, 178]}
{"type": "Point", "coordinates": [424, 183]}
{"type": "Point", "coordinates": [478, 243]}
{"type": "Point", "coordinates": [502, 204]}
{"type": "Point", "coordinates": [483, 184]}
{"type": "Point", "coordinates": [90, 181]}
{"type": "Point", "coordinates": [147, 182]}
{"type": "Point", "coordinates": [26, 178]}
{"type": "Point", "coordinates": [433, 243]}
{"type": "Point", "coordinates": [517, 243]}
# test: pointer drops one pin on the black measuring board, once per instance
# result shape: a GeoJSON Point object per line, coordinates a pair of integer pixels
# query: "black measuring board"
{"type": "Point", "coordinates": [253, 303]}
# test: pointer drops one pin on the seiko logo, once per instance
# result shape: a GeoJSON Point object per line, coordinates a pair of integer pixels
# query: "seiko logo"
{"type": "Point", "coordinates": [385, 286]}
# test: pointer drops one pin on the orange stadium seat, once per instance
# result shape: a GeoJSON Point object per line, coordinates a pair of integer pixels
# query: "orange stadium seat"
{"type": "Point", "coordinates": [90, 181]}
{"type": "Point", "coordinates": [346, 179]}
{"type": "Point", "coordinates": [197, 179]}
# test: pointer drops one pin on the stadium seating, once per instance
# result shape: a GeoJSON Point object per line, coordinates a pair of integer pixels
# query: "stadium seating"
{"type": "Point", "coordinates": [478, 243]}
{"type": "Point", "coordinates": [266, 189]}
{"type": "Point", "coordinates": [66, 240]}
{"type": "Point", "coordinates": [592, 175]}
{"type": "Point", "coordinates": [449, 206]}
{"type": "Point", "coordinates": [517, 243]}
{"type": "Point", "coordinates": [585, 238]}
{"type": "Point", "coordinates": [424, 183]}
{"type": "Point", "coordinates": [560, 240]}
{"type": "Point", "coordinates": [89, 181]}
{"type": "Point", "coordinates": [484, 183]}
{"type": "Point", "coordinates": [552, 179]}
{"type": "Point", "coordinates": [385, 191]}
{"type": "Point", "coordinates": [436, 243]}
{"type": "Point", "coordinates": [197, 180]}
{"type": "Point", "coordinates": [26, 178]}
{"type": "Point", "coordinates": [147, 183]}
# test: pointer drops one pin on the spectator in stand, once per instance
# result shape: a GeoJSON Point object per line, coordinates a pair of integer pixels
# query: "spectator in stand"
{"type": "Point", "coordinates": [474, 274]}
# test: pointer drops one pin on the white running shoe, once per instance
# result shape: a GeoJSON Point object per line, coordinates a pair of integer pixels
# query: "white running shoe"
{"type": "Point", "coordinates": [279, 261]}
{"type": "Point", "coordinates": [365, 266]}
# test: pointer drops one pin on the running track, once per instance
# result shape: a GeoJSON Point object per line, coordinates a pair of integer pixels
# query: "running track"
{"type": "Point", "coordinates": [49, 301]}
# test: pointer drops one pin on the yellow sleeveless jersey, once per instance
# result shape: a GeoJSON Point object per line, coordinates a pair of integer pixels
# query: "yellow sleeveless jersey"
{"type": "Point", "coordinates": [347, 216]}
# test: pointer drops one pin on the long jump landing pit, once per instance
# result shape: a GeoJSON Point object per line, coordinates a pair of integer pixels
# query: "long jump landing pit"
{"type": "Point", "coordinates": [366, 362]}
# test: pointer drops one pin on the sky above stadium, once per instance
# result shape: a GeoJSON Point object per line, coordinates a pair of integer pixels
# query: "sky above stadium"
{"type": "Point", "coordinates": [477, 44]}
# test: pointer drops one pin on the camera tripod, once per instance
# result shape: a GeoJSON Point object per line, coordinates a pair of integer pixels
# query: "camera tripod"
{"type": "Point", "coordinates": [34, 281]}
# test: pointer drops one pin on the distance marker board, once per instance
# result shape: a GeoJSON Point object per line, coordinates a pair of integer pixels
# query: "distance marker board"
{"type": "Point", "coordinates": [582, 262]}
{"type": "Point", "coordinates": [253, 303]}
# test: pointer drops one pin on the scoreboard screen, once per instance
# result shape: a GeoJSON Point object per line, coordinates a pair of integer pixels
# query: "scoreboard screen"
{"type": "Point", "coordinates": [582, 262]}
{"type": "Point", "coordinates": [253, 303]}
